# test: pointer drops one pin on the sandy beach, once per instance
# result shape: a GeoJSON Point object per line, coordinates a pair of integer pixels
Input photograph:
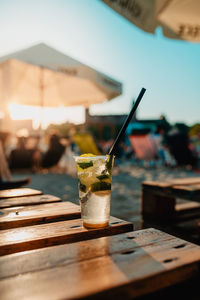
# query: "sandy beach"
{"type": "Point", "coordinates": [126, 186]}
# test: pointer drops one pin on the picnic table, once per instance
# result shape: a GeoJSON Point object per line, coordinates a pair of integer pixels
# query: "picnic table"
{"type": "Point", "coordinates": [174, 206]}
{"type": "Point", "coordinates": [45, 253]}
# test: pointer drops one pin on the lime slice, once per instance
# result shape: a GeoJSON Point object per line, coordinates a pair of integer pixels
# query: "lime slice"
{"type": "Point", "coordinates": [85, 165]}
{"type": "Point", "coordinates": [87, 178]}
{"type": "Point", "coordinates": [103, 176]}
{"type": "Point", "coordinates": [100, 186]}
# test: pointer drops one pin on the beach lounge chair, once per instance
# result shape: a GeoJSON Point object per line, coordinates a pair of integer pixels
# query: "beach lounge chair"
{"type": "Point", "coordinates": [86, 143]}
{"type": "Point", "coordinates": [144, 146]}
{"type": "Point", "coordinates": [5, 173]}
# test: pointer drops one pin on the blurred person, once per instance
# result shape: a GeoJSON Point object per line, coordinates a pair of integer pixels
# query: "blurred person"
{"type": "Point", "coordinates": [10, 144]}
{"type": "Point", "coordinates": [6, 181]}
{"type": "Point", "coordinates": [178, 143]}
{"type": "Point", "coordinates": [67, 163]}
{"type": "Point", "coordinates": [195, 148]}
{"type": "Point", "coordinates": [163, 152]}
{"type": "Point", "coordinates": [53, 154]}
{"type": "Point", "coordinates": [37, 154]}
{"type": "Point", "coordinates": [23, 156]}
{"type": "Point", "coordinates": [20, 157]}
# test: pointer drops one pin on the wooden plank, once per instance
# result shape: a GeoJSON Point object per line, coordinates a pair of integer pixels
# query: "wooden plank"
{"type": "Point", "coordinates": [189, 192]}
{"type": "Point", "coordinates": [192, 227]}
{"type": "Point", "coordinates": [192, 205]}
{"type": "Point", "coordinates": [177, 191]}
{"type": "Point", "coordinates": [123, 266]}
{"type": "Point", "coordinates": [38, 214]}
{"type": "Point", "coordinates": [54, 256]}
{"type": "Point", "coordinates": [163, 210]}
{"type": "Point", "coordinates": [28, 200]}
{"type": "Point", "coordinates": [189, 210]}
{"type": "Point", "coordinates": [169, 183]}
{"type": "Point", "coordinates": [158, 201]}
{"type": "Point", "coordinates": [39, 236]}
{"type": "Point", "coordinates": [20, 192]}
{"type": "Point", "coordinates": [185, 228]}
{"type": "Point", "coordinates": [190, 188]}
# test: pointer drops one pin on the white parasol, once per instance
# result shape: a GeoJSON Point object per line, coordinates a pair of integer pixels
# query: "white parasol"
{"type": "Point", "coordinates": [42, 76]}
{"type": "Point", "coordinates": [179, 19]}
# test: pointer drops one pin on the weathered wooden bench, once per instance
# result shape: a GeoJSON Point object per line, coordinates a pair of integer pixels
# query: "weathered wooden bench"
{"type": "Point", "coordinates": [45, 253]}
{"type": "Point", "coordinates": [123, 266]}
{"type": "Point", "coordinates": [45, 235]}
{"type": "Point", "coordinates": [159, 206]}
{"type": "Point", "coordinates": [27, 227]}
{"type": "Point", "coordinates": [19, 192]}
{"type": "Point", "coordinates": [20, 216]}
{"type": "Point", "coordinates": [28, 200]}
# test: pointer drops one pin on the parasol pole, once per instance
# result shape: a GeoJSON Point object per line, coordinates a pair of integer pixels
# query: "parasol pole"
{"type": "Point", "coordinates": [41, 91]}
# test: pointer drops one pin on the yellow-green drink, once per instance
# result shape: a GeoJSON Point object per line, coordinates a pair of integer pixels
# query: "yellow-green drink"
{"type": "Point", "coordinates": [94, 181]}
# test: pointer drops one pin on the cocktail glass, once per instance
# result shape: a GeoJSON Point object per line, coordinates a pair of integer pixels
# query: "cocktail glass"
{"type": "Point", "coordinates": [94, 181]}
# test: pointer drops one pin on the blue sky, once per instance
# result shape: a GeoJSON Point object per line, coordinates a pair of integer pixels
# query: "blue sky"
{"type": "Point", "coordinates": [91, 32]}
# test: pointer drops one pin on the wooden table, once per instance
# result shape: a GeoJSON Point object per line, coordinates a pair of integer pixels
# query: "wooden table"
{"type": "Point", "coordinates": [20, 192]}
{"type": "Point", "coordinates": [160, 206]}
{"type": "Point", "coordinates": [45, 253]}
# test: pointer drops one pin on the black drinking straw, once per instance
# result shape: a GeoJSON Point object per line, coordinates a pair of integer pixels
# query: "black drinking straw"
{"type": "Point", "coordinates": [123, 129]}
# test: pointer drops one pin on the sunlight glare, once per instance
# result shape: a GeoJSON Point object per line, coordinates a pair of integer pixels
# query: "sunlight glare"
{"type": "Point", "coordinates": [17, 236]}
{"type": "Point", "coordinates": [47, 116]}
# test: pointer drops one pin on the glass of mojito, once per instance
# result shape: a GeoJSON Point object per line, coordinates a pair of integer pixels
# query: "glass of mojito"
{"type": "Point", "coordinates": [94, 181]}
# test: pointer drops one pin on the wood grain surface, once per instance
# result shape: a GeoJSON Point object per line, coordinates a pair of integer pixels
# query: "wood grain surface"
{"type": "Point", "coordinates": [159, 208]}
{"type": "Point", "coordinates": [28, 200]}
{"type": "Point", "coordinates": [168, 183]}
{"type": "Point", "coordinates": [38, 214]}
{"type": "Point", "coordinates": [123, 266]}
{"type": "Point", "coordinates": [186, 188]}
{"type": "Point", "coordinates": [39, 236]}
{"type": "Point", "coordinates": [19, 192]}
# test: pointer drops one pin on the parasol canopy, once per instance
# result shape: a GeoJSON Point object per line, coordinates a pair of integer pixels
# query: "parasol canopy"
{"type": "Point", "coordinates": [45, 77]}
{"type": "Point", "coordinates": [42, 76]}
{"type": "Point", "coordinates": [179, 19]}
